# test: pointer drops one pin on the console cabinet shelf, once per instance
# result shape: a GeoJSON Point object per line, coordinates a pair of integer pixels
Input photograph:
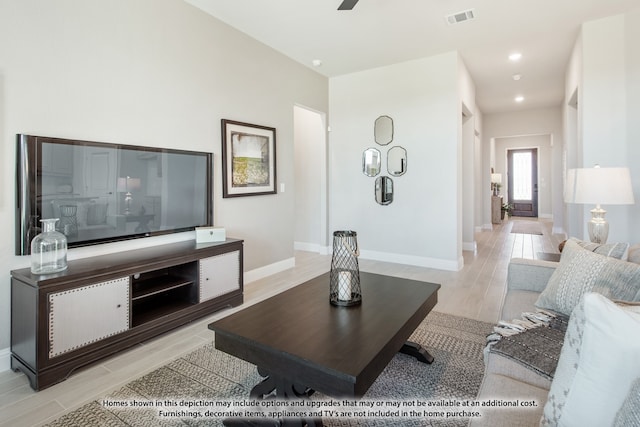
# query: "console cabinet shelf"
{"type": "Point", "coordinates": [102, 305]}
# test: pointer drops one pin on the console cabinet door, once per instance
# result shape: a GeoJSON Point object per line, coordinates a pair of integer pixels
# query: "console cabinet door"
{"type": "Point", "coordinates": [219, 275]}
{"type": "Point", "coordinates": [81, 316]}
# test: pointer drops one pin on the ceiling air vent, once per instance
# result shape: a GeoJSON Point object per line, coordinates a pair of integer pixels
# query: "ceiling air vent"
{"type": "Point", "coordinates": [456, 18]}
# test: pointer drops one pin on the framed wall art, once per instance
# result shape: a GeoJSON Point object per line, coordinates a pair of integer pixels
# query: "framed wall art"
{"type": "Point", "coordinates": [248, 159]}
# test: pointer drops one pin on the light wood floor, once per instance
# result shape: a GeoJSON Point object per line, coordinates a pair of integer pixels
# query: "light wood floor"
{"type": "Point", "coordinates": [475, 292]}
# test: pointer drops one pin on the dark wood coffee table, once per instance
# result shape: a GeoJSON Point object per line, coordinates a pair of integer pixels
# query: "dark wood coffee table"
{"type": "Point", "coordinates": [301, 343]}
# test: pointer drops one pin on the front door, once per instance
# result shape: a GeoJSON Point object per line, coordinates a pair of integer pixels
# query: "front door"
{"type": "Point", "coordinates": [523, 181]}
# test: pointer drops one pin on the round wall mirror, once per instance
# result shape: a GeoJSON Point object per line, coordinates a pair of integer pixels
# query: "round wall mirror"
{"type": "Point", "coordinates": [371, 162]}
{"type": "Point", "coordinates": [383, 130]}
{"type": "Point", "coordinates": [397, 161]}
{"type": "Point", "coordinates": [384, 190]}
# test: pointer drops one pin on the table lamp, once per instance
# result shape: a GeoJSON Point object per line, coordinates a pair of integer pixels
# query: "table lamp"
{"type": "Point", "coordinates": [125, 185]}
{"type": "Point", "coordinates": [599, 186]}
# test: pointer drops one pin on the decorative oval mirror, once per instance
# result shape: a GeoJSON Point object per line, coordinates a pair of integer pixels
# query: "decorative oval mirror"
{"type": "Point", "coordinates": [397, 161]}
{"type": "Point", "coordinates": [384, 190]}
{"type": "Point", "coordinates": [371, 162]}
{"type": "Point", "coordinates": [383, 130]}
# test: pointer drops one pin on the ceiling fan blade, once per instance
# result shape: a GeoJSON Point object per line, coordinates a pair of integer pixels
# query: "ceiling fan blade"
{"type": "Point", "coordinates": [347, 4]}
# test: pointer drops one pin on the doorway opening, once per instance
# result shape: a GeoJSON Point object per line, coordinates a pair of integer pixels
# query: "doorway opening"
{"type": "Point", "coordinates": [522, 167]}
{"type": "Point", "coordinates": [310, 154]}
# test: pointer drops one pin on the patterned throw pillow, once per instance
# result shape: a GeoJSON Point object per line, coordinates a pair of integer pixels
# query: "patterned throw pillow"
{"type": "Point", "coordinates": [613, 250]}
{"type": "Point", "coordinates": [629, 413]}
{"type": "Point", "coordinates": [597, 365]}
{"type": "Point", "coordinates": [634, 254]}
{"type": "Point", "coordinates": [581, 271]}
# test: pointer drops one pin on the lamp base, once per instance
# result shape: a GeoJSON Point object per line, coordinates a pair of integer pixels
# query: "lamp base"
{"type": "Point", "coordinates": [598, 226]}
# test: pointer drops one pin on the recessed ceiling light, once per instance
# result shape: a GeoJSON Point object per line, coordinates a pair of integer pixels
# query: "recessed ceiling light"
{"type": "Point", "coordinates": [515, 56]}
{"type": "Point", "coordinates": [519, 98]}
{"type": "Point", "coordinates": [517, 76]}
{"type": "Point", "coordinates": [316, 63]}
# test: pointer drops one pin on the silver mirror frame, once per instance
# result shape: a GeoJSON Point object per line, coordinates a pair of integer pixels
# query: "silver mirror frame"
{"type": "Point", "coordinates": [397, 161]}
{"type": "Point", "coordinates": [383, 130]}
{"type": "Point", "coordinates": [371, 164]}
{"type": "Point", "coordinates": [384, 190]}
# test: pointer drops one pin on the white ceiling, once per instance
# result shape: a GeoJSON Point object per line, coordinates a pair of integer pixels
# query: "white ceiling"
{"type": "Point", "coordinates": [382, 32]}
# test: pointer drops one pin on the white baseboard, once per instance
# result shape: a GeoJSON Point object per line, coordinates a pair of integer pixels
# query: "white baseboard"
{"type": "Point", "coordinates": [268, 270]}
{"type": "Point", "coordinates": [470, 246]}
{"type": "Point", "coordinates": [559, 230]}
{"type": "Point", "coordinates": [5, 359]}
{"type": "Point", "coordinates": [487, 227]}
{"type": "Point", "coordinates": [311, 247]}
{"type": "Point", "coordinates": [439, 264]}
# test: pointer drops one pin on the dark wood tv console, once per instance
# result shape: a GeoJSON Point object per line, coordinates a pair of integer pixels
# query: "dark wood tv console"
{"type": "Point", "coordinates": [104, 304]}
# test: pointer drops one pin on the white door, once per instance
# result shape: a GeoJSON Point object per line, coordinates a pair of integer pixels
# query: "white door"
{"type": "Point", "coordinates": [100, 168]}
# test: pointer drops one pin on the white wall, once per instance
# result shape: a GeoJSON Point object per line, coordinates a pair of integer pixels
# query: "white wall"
{"type": "Point", "coordinates": [603, 92]}
{"type": "Point", "coordinates": [546, 121]}
{"type": "Point", "coordinates": [632, 59]}
{"type": "Point", "coordinates": [604, 139]}
{"type": "Point", "coordinates": [469, 168]}
{"type": "Point", "coordinates": [468, 178]}
{"type": "Point", "coordinates": [481, 191]}
{"type": "Point", "coordinates": [604, 70]}
{"type": "Point", "coordinates": [310, 180]}
{"type": "Point", "coordinates": [423, 224]}
{"type": "Point", "coordinates": [572, 123]}
{"type": "Point", "coordinates": [150, 72]}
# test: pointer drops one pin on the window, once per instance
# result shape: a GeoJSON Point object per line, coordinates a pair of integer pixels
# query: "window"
{"type": "Point", "coordinates": [522, 188]}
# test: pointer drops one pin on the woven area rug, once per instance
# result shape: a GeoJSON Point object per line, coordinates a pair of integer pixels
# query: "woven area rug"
{"type": "Point", "coordinates": [526, 227]}
{"type": "Point", "coordinates": [206, 373]}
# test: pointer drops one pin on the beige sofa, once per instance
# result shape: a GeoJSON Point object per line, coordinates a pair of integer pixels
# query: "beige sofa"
{"type": "Point", "coordinates": [506, 379]}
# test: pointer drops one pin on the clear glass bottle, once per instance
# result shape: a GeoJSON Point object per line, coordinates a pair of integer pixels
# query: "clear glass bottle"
{"type": "Point", "coordinates": [48, 249]}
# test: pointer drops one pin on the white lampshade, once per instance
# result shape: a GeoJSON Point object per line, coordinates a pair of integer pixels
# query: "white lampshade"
{"type": "Point", "coordinates": [134, 183]}
{"type": "Point", "coordinates": [127, 184]}
{"type": "Point", "coordinates": [599, 186]}
{"type": "Point", "coordinates": [122, 185]}
{"type": "Point", "coordinates": [496, 178]}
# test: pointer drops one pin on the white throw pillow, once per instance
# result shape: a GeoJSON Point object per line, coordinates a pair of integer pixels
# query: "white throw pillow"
{"type": "Point", "coordinates": [597, 365]}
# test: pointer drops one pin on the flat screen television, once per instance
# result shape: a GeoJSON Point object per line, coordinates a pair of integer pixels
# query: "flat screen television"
{"type": "Point", "coordinates": [102, 192]}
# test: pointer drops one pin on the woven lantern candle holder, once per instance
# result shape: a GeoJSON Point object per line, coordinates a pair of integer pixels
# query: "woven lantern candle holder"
{"type": "Point", "coordinates": [344, 278]}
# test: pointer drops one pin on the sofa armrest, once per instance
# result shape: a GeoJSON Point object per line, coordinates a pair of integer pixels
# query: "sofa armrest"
{"type": "Point", "coordinates": [529, 274]}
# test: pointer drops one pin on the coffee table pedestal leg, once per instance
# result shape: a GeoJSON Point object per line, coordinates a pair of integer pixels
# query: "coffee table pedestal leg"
{"type": "Point", "coordinates": [416, 350]}
{"type": "Point", "coordinates": [274, 386]}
